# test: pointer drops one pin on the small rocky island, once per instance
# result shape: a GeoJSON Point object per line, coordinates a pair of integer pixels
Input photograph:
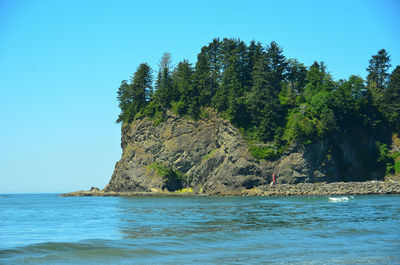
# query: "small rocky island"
{"type": "Point", "coordinates": [245, 120]}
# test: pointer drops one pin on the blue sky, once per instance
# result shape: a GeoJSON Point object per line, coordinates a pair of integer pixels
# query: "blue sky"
{"type": "Point", "coordinates": [61, 63]}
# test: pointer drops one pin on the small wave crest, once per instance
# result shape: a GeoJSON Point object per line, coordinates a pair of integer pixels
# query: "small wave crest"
{"type": "Point", "coordinates": [340, 199]}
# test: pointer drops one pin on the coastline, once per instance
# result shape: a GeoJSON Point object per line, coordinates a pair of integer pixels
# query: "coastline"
{"type": "Point", "coordinates": [301, 189]}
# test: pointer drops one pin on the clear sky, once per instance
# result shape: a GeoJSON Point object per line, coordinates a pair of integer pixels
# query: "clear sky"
{"type": "Point", "coordinates": [61, 63]}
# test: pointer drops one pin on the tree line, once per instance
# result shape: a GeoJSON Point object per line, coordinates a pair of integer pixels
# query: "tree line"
{"type": "Point", "coordinates": [271, 98]}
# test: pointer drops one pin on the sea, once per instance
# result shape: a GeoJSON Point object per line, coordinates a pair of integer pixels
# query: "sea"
{"type": "Point", "coordinates": [49, 229]}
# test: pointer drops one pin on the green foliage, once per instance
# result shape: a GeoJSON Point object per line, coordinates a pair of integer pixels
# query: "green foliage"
{"type": "Point", "coordinates": [263, 152]}
{"type": "Point", "coordinates": [397, 167]}
{"type": "Point", "coordinates": [155, 111]}
{"type": "Point", "coordinates": [206, 157]}
{"type": "Point", "coordinates": [296, 75]}
{"type": "Point", "coordinates": [395, 155]}
{"type": "Point", "coordinates": [383, 152]}
{"type": "Point", "coordinates": [385, 158]}
{"type": "Point", "coordinates": [391, 99]}
{"type": "Point", "coordinates": [134, 97]}
{"type": "Point", "coordinates": [396, 159]}
{"type": "Point", "coordinates": [179, 107]}
{"type": "Point", "coordinates": [185, 190]}
{"type": "Point", "coordinates": [160, 169]}
{"type": "Point", "coordinates": [173, 178]}
{"type": "Point", "coordinates": [301, 126]}
{"type": "Point", "coordinates": [165, 92]}
{"type": "Point", "coordinates": [288, 96]}
{"type": "Point", "coordinates": [205, 114]}
{"type": "Point", "coordinates": [378, 75]}
{"type": "Point", "coordinates": [185, 101]}
{"type": "Point", "coordinates": [318, 80]}
{"type": "Point", "coordinates": [274, 101]}
{"type": "Point", "coordinates": [158, 119]}
{"type": "Point", "coordinates": [277, 64]}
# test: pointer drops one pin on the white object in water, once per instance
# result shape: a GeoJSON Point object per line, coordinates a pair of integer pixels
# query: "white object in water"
{"type": "Point", "coordinates": [339, 199]}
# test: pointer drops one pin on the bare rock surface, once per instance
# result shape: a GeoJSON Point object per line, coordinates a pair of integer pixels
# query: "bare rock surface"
{"type": "Point", "coordinates": [211, 157]}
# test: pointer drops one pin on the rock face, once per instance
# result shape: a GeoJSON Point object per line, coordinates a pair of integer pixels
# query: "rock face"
{"type": "Point", "coordinates": [212, 157]}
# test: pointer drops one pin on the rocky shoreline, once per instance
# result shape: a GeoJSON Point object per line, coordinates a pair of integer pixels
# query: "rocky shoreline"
{"type": "Point", "coordinates": [301, 189]}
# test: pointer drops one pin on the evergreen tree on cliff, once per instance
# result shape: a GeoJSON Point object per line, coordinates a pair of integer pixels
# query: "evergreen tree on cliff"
{"type": "Point", "coordinates": [296, 75]}
{"type": "Point", "coordinates": [268, 75]}
{"type": "Point", "coordinates": [318, 80]}
{"type": "Point", "coordinates": [203, 81]}
{"type": "Point", "coordinates": [392, 99]}
{"type": "Point", "coordinates": [165, 92]}
{"type": "Point", "coordinates": [378, 75]}
{"type": "Point", "coordinates": [277, 66]}
{"type": "Point", "coordinates": [133, 97]}
{"type": "Point", "coordinates": [207, 74]}
{"type": "Point", "coordinates": [230, 80]}
{"type": "Point", "coordinates": [270, 98]}
{"type": "Point", "coordinates": [262, 102]}
{"type": "Point", "coordinates": [182, 79]}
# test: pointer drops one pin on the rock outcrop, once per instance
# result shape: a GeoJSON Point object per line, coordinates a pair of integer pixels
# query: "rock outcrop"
{"type": "Point", "coordinates": [211, 156]}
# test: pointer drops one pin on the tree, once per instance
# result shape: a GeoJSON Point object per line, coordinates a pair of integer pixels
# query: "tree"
{"type": "Point", "coordinates": [268, 97]}
{"type": "Point", "coordinates": [277, 66]}
{"type": "Point", "coordinates": [233, 90]}
{"type": "Point", "coordinates": [318, 80]}
{"type": "Point", "coordinates": [265, 110]}
{"type": "Point", "coordinates": [164, 90]}
{"type": "Point", "coordinates": [231, 86]}
{"type": "Point", "coordinates": [378, 75]}
{"type": "Point", "coordinates": [182, 79]}
{"type": "Point", "coordinates": [350, 100]}
{"type": "Point", "coordinates": [134, 97]}
{"type": "Point", "coordinates": [124, 97]}
{"type": "Point", "coordinates": [255, 52]}
{"type": "Point", "coordinates": [207, 74]}
{"type": "Point", "coordinates": [392, 99]}
{"type": "Point", "coordinates": [322, 109]}
{"type": "Point", "coordinates": [296, 75]}
{"type": "Point", "coordinates": [142, 85]}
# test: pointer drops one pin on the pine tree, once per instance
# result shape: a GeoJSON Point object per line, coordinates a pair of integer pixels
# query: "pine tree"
{"type": "Point", "coordinates": [142, 85]}
{"type": "Point", "coordinates": [213, 54]}
{"type": "Point", "coordinates": [262, 103]}
{"type": "Point", "coordinates": [277, 66]}
{"type": "Point", "coordinates": [134, 97]}
{"type": "Point", "coordinates": [296, 75]}
{"type": "Point", "coordinates": [182, 79]}
{"type": "Point", "coordinates": [124, 97]}
{"type": "Point", "coordinates": [205, 79]}
{"type": "Point", "coordinates": [234, 81]}
{"type": "Point", "coordinates": [392, 99]}
{"type": "Point", "coordinates": [229, 77]}
{"type": "Point", "coordinates": [164, 89]}
{"type": "Point", "coordinates": [255, 52]}
{"type": "Point", "coordinates": [378, 75]}
{"type": "Point", "coordinates": [318, 80]}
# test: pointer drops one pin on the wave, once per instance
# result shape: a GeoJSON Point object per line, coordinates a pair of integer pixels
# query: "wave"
{"type": "Point", "coordinates": [340, 199]}
{"type": "Point", "coordinates": [82, 252]}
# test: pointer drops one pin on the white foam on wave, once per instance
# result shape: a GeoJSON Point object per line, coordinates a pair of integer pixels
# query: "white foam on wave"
{"type": "Point", "coordinates": [340, 199]}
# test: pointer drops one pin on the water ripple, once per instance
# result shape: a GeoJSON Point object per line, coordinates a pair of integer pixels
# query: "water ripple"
{"type": "Point", "coordinates": [46, 229]}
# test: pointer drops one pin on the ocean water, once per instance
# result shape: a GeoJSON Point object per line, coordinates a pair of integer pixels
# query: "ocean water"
{"type": "Point", "coordinates": [48, 229]}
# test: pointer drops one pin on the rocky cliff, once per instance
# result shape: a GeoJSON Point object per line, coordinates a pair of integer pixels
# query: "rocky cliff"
{"type": "Point", "coordinates": [211, 156]}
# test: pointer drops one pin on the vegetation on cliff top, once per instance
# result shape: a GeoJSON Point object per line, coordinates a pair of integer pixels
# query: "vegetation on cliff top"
{"type": "Point", "coordinates": [271, 98]}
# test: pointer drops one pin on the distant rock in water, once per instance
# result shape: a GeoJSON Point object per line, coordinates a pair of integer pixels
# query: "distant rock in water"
{"type": "Point", "coordinates": [212, 157]}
